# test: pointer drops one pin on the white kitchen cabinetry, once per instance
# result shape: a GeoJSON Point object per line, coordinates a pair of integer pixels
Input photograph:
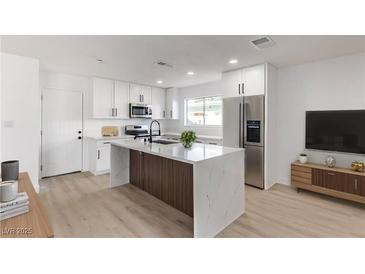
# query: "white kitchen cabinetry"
{"type": "Point", "coordinates": [245, 82]}
{"type": "Point", "coordinates": [172, 103]}
{"type": "Point", "coordinates": [140, 94]}
{"type": "Point", "coordinates": [121, 100]}
{"type": "Point", "coordinates": [158, 103]}
{"type": "Point", "coordinates": [102, 98]}
{"type": "Point", "coordinates": [253, 80]}
{"type": "Point", "coordinates": [99, 156]}
{"type": "Point", "coordinates": [109, 99]}
{"type": "Point", "coordinates": [231, 83]}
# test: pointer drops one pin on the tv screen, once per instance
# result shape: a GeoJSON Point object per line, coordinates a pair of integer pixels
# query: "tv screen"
{"type": "Point", "coordinates": [340, 130]}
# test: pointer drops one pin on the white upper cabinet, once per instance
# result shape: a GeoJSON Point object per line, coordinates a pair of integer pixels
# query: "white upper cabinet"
{"type": "Point", "coordinates": [158, 103]}
{"type": "Point", "coordinates": [172, 103]}
{"type": "Point", "coordinates": [140, 94]}
{"type": "Point", "coordinates": [121, 100]}
{"type": "Point", "coordinates": [231, 83]}
{"type": "Point", "coordinates": [102, 98]}
{"type": "Point", "coordinates": [109, 99]}
{"type": "Point", "coordinates": [253, 80]}
{"type": "Point", "coordinates": [245, 82]}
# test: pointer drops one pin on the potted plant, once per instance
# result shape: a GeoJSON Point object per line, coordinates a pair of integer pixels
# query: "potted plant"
{"type": "Point", "coordinates": [187, 138]}
{"type": "Point", "coordinates": [303, 158]}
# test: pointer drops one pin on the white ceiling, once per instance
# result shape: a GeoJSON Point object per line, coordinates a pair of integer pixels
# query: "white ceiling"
{"type": "Point", "coordinates": [132, 58]}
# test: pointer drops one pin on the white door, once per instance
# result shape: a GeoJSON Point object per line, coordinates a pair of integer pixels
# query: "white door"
{"type": "Point", "coordinates": [102, 96]}
{"type": "Point", "coordinates": [172, 103]}
{"type": "Point", "coordinates": [146, 95]}
{"type": "Point", "coordinates": [61, 132]}
{"type": "Point", "coordinates": [231, 83]}
{"type": "Point", "coordinates": [158, 103]}
{"type": "Point", "coordinates": [103, 158]}
{"type": "Point", "coordinates": [254, 80]}
{"type": "Point", "coordinates": [135, 94]}
{"type": "Point", "coordinates": [121, 100]}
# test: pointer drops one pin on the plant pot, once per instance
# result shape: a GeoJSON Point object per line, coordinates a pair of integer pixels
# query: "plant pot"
{"type": "Point", "coordinates": [10, 170]}
{"type": "Point", "coordinates": [187, 145]}
{"type": "Point", "coordinates": [303, 159]}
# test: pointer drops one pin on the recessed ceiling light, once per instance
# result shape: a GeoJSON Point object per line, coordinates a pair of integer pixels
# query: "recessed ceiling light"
{"type": "Point", "coordinates": [233, 61]}
{"type": "Point", "coordinates": [159, 82]}
{"type": "Point", "coordinates": [190, 73]}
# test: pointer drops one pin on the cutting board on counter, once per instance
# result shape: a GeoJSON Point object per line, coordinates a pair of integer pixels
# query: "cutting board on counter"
{"type": "Point", "coordinates": [109, 131]}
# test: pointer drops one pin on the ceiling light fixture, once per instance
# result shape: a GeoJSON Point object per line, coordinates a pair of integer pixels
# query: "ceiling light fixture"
{"type": "Point", "coordinates": [190, 73]}
{"type": "Point", "coordinates": [159, 81]}
{"type": "Point", "coordinates": [233, 61]}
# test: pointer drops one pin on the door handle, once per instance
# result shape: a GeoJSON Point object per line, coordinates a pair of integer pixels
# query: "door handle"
{"type": "Point", "coordinates": [240, 126]}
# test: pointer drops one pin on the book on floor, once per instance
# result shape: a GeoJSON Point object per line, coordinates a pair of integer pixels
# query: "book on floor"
{"type": "Point", "coordinates": [21, 199]}
{"type": "Point", "coordinates": [14, 212]}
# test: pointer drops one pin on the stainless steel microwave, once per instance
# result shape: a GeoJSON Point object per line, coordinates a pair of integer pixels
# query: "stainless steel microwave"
{"type": "Point", "coordinates": [140, 111]}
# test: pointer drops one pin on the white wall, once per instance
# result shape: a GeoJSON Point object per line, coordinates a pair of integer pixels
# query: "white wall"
{"type": "Point", "coordinates": [20, 113]}
{"type": "Point", "coordinates": [325, 85]}
{"type": "Point", "coordinates": [206, 89]}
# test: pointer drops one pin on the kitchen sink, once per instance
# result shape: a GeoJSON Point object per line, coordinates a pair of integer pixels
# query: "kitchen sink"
{"type": "Point", "coordinates": [164, 142]}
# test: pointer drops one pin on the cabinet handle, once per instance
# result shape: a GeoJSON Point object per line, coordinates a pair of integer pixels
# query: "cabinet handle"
{"type": "Point", "coordinates": [116, 112]}
{"type": "Point", "coordinates": [142, 98]}
{"type": "Point", "coordinates": [331, 174]}
{"type": "Point", "coordinates": [112, 112]}
{"type": "Point", "coordinates": [356, 184]}
{"type": "Point", "coordinates": [98, 154]}
{"type": "Point", "coordinates": [239, 88]}
{"type": "Point", "coordinates": [164, 114]}
{"type": "Point", "coordinates": [243, 88]}
{"type": "Point", "coordinates": [170, 113]}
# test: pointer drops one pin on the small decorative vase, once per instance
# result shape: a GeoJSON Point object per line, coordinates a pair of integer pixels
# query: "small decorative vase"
{"type": "Point", "coordinates": [303, 158]}
{"type": "Point", "coordinates": [10, 170]}
{"type": "Point", "coordinates": [187, 144]}
{"type": "Point", "coordinates": [330, 161]}
{"type": "Point", "coordinates": [358, 166]}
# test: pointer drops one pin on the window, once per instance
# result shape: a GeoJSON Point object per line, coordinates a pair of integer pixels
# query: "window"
{"type": "Point", "coordinates": [203, 111]}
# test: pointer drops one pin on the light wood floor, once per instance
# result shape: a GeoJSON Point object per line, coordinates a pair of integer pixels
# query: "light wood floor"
{"type": "Point", "coordinates": [82, 205]}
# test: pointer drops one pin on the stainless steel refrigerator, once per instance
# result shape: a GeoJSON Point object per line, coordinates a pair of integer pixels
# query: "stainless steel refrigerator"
{"type": "Point", "coordinates": [244, 126]}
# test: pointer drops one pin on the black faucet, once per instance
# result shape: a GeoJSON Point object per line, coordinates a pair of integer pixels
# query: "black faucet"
{"type": "Point", "coordinates": [159, 130]}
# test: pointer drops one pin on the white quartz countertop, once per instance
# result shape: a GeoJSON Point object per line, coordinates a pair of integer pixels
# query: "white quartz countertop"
{"type": "Point", "coordinates": [198, 152]}
{"type": "Point", "coordinates": [102, 138]}
{"type": "Point", "coordinates": [210, 137]}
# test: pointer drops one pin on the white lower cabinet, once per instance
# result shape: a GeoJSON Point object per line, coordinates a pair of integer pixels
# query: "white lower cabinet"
{"type": "Point", "coordinates": [98, 156]}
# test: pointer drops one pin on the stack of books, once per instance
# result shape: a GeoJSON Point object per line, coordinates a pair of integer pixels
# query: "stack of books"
{"type": "Point", "coordinates": [15, 207]}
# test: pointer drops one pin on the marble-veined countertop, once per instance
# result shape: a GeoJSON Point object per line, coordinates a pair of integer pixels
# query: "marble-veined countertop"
{"type": "Point", "coordinates": [198, 152]}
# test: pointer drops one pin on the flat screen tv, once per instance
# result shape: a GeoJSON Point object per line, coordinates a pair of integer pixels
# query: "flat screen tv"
{"type": "Point", "coordinates": [339, 130]}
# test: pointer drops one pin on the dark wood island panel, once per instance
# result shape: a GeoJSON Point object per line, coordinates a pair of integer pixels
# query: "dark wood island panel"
{"type": "Point", "coordinates": [168, 180]}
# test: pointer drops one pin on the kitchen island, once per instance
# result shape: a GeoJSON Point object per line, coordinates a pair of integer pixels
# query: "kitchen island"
{"type": "Point", "coordinates": [205, 182]}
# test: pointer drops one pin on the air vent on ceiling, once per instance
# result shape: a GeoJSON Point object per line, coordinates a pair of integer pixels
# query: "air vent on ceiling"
{"type": "Point", "coordinates": [263, 42]}
{"type": "Point", "coordinates": [164, 64]}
